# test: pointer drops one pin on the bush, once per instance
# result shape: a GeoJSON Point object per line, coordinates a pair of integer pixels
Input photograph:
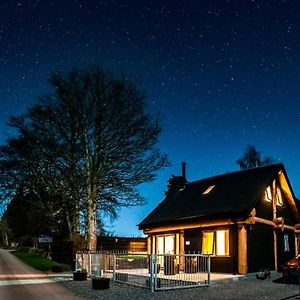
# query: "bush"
{"type": "Point", "coordinates": [58, 268]}
{"type": "Point", "coordinates": [100, 283]}
{"type": "Point", "coordinates": [40, 263]}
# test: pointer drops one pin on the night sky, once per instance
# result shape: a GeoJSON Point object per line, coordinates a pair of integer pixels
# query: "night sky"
{"type": "Point", "coordinates": [222, 74]}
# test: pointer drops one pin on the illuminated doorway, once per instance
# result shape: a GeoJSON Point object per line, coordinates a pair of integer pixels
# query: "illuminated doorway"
{"type": "Point", "coordinates": [165, 244]}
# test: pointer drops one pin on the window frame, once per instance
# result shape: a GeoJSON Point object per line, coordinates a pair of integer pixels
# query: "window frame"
{"type": "Point", "coordinates": [163, 238]}
{"type": "Point", "coordinates": [279, 200]}
{"type": "Point", "coordinates": [214, 245]}
{"type": "Point", "coordinates": [268, 195]}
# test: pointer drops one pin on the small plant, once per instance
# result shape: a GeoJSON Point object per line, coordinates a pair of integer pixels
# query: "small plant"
{"type": "Point", "coordinates": [80, 271]}
{"type": "Point", "coordinates": [100, 283]}
{"type": "Point", "coordinates": [80, 275]}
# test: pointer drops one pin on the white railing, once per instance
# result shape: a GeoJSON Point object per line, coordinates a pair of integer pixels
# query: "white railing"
{"type": "Point", "coordinates": [180, 271]}
{"type": "Point", "coordinates": [156, 271]}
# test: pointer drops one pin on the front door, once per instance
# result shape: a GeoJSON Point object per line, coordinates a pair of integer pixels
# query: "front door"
{"type": "Point", "coordinates": [165, 244]}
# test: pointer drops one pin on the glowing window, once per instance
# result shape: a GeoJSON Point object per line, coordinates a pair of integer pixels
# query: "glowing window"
{"type": "Point", "coordinates": [208, 189]}
{"type": "Point", "coordinates": [165, 244]}
{"type": "Point", "coordinates": [268, 194]}
{"type": "Point", "coordinates": [279, 201]}
{"type": "Point", "coordinates": [160, 245]}
{"type": "Point", "coordinates": [222, 242]}
{"type": "Point", "coordinates": [169, 244]}
{"type": "Point", "coordinates": [208, 243]}
{"type": "Point", "coordinates": [216, 242]}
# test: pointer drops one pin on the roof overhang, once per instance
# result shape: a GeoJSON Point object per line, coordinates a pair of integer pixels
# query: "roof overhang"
{"type": "Point", "coordinates": [288, 194]}
{"type": "Point", "coordinates": [191, 225]}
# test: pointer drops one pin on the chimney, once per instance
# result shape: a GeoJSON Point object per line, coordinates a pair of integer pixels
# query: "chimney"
{"type": "Point", "coordinates": [183, 172]}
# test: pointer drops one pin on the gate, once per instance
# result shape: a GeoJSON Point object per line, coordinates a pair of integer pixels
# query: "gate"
{"type": "Point", "coordinates": [179, 271]}
{"type": "Point", "coordinates": [155, 272]}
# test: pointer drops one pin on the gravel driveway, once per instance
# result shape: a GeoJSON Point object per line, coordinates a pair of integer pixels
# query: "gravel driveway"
{"type": "Point", "coordinates": [19, 281]}
{"type": "Point", "coordinates": [242, 289]}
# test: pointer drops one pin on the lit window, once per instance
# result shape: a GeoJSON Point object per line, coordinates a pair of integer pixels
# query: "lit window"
{"type": "Point", "coordinates": [286, 243]}
{"type": "Point", "coordinates": [222, 242]}
{"type": "Point", "coordinates": [268, 194]}
{"type": "Point", "coordinates": [169, 244]}
{"type": "Point", "coordinates": [278, 197]}
{"type": "Point", "coordinates": [165, 244]}
{"type": "Point", "coordinates": [216, 242]}
{"type": "Point", "coordinates": [208, 243]}
{"type": "Point", "coordinates": [208, 189]}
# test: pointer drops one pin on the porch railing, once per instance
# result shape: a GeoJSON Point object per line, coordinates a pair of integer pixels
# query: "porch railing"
{"type": "Point", "coordinates": [155, 272]}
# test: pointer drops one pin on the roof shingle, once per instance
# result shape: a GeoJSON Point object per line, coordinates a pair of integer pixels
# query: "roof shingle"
{"type": "Point", "coordinates": [234, 193]}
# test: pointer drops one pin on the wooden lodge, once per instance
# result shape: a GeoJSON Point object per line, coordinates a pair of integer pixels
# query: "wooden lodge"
{"type": "Point", "coordinates": [246, 220]}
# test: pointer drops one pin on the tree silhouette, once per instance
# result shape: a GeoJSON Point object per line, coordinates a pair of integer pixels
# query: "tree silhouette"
{"type": "Point", "coordinates": [175, 183]}
{"type": "Point", "coordinates": [252, 159]}
{"type": "Point", "coordinates": [93, 145]}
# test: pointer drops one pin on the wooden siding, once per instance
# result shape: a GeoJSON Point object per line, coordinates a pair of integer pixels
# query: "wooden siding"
{"type": "Point", "coordinates": [260, 247]}
{"type": "Point", "coordinates": [284, 256]}
{"type": "Point", "coordinates": [193, 236]}
{"type": "Point", "coordinates": [122, 244]}
{"type": "Point", "coordinates": [225, 264]}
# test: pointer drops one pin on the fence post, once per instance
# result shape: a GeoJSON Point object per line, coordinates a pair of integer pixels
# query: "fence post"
{"type": "Point", "coordinates": [89, 263]}
{"type": "Point", "coordinates": [76, 262]}
{"type": "Point", "coordinates": [114, 266]}
{"type": "Point", "coordinates": [152, 272]}
{"type": "Point", "coordinates": [208, 269]}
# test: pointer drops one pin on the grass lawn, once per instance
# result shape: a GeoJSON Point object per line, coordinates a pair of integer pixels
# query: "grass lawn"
{"type": "Point", "coordinates": [38, 262]}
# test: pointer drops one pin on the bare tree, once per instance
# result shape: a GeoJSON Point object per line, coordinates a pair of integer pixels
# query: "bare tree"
{"type": "Point", "coordinates": [100, 141]}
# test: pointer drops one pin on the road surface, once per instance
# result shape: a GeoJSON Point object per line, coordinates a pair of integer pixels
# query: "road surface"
{"type": "Point", "coordinates": [19, 281]}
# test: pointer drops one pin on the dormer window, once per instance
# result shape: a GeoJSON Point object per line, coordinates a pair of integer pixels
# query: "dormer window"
{"type": "Point", "coordinates": [207, 191]}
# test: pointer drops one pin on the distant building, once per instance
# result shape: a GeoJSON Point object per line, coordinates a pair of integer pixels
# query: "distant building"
{"type": "Point", "coordinates": [122, 244]}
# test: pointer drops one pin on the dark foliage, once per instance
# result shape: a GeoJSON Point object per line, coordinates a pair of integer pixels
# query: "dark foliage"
{"type": "Point", "coordinates": [252, 159]}
{"type": "Point", "coordinates": [90, 142]}
{"type": "Point", "coordinates": [29, 216]}
{"type": "Point", "coordinates": [175, 183]}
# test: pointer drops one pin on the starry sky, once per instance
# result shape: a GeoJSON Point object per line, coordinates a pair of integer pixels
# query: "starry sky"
{"type": "Point", "coordinates": [222, 74]}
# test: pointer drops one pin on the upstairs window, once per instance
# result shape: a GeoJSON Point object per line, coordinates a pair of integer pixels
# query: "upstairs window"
{"type": "Point", "coordinates": [207, 191]}
{"type": "Point", "coordinates": [279, 201]}
{"type": "Point", "coordinates": [268, 195]}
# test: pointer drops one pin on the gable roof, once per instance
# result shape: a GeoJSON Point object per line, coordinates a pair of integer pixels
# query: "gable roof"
{"type": "Point", "coordinates": [234, 194]}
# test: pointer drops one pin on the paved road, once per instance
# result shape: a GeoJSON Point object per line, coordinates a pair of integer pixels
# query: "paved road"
{"type": "Point", "coordinates": [18, 281]}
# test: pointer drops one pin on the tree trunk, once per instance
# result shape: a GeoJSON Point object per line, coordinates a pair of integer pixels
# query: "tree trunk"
{"type": "Point", "coordinates": [91, 230]}
{"type": "Point", "coordinates": [70, 235]}
{"type": "Point", "coordinates": [91, 221]}
{"type": "Point", "coordinates": [5, 240]}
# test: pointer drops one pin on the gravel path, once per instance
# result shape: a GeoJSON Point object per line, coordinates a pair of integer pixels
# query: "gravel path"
{"type": "Point", "coordinates": [242, 289]}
